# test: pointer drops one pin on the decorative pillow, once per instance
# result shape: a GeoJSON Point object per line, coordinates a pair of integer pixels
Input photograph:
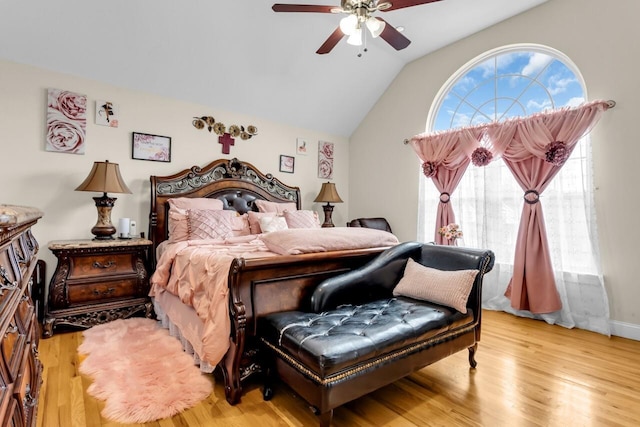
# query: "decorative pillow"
{"type": "Point", "coordinates": [210, 224]}
{"type": "Point", "coordinates": [182, 204]}
{"type": "Point", "coordinates": [450, 288]}
{"type": "Point", "coordinates": [272, 223]}
{"type": "Point", "coordinates": [177, 227]}
{"type": "Point", "coordinates": [254, 220]}
{"type": "Point", "coordinates": [240, 225]}
{"type": "Point", "coordinates": [302, 219]}
{"type": "Point", "coordinates": [275, 207]}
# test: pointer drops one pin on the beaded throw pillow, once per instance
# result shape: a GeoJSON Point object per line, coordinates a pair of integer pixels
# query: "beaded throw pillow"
{"type": "Point", "coordinates": [450, 288]}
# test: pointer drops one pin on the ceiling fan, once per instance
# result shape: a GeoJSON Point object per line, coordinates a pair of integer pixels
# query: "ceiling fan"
{"type": "Point", "coordinates": [359, 16]}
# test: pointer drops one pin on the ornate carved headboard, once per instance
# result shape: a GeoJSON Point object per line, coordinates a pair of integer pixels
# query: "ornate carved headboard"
{"type": "Point", "coordinates": [238, 184]}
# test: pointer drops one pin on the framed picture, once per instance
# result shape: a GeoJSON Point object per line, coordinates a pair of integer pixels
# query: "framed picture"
{"type": "Point", "coordinates": [107, 114]}
{"type": "Point", "coordinates": [325, 160]}
{"type": "Point", "coordinates": [302, 146]}
{"type": "Point", "coordinates": [287, 163]}
{"type": "Point", "coordinates": [151, 147]}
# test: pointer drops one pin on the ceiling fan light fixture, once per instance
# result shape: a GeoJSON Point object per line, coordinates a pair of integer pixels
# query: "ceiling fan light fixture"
{"type": "Point", "coordinates": [355, 38]}
{"type": "Point", "coordinates": [375, 26]}
{"type": "Point", "coordinates": [349, 24]}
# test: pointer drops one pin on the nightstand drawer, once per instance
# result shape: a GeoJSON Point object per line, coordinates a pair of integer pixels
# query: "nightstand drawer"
{"type": "Point", "coordinates": [100, 265]}
{"type": "Point", "coordinates": [112, 290]}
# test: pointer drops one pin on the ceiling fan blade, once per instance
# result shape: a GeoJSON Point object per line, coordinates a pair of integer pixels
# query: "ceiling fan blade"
{"type": "Point", "coordinates": [279, 7]}
{"type": "Point", "coordinates": [401, 4]}
{"type": "Point", "coordinates": [394, 37]}
{"type": "Point", "coordinates": [331, 42]}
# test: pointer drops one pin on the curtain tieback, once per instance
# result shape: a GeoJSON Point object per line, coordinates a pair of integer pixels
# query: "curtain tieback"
{"type": "Point", "coordinates": [445, 197]}
{"type": "Point", "coordinates": [535, 198]}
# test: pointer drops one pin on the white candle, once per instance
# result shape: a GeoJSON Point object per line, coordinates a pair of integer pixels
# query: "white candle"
{"type": "Point", "coordinates": [123, 227]}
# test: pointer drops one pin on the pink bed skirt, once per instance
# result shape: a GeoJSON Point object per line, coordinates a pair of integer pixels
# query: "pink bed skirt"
{"type": "Point", "coordinates": [184, 324]}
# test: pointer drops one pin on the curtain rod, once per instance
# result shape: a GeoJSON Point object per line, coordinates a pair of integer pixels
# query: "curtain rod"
{"type": "Point", "coordinates": [610, 103]}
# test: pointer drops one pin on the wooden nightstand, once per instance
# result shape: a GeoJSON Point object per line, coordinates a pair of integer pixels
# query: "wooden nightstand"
{"type": "Point", "coordinates": [97, 281]}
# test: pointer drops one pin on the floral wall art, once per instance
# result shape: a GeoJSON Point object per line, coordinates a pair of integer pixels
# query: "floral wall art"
{"type": "Point", "coordinates": [325, 159]}
{"type": "Point", "coordinates": [66, 121]}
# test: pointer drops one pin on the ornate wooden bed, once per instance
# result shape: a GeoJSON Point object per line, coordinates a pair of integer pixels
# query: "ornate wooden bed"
{"type": "Point", "coordinates": [258, 286]}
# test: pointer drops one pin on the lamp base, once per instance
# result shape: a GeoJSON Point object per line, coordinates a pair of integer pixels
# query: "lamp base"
{"type": "Point", "coordinates": [328, 211]}
{"type": "Point", "coordinates": [104, 230]}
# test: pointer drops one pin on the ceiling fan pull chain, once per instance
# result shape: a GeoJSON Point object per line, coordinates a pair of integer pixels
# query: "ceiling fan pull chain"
{"type": "Point", "coordinates": [363, 47]}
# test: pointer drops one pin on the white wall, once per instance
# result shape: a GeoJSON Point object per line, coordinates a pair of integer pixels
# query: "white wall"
{"type": "Point", "coordinates": [34, 177]}
{"type": "Point", "coordinates": [600, 38]}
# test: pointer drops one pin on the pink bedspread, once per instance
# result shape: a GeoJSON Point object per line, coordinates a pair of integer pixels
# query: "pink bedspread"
{"type": "Point", "coordinates": [196, 271]}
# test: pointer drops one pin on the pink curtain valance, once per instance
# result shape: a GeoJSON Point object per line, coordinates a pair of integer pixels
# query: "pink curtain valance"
{"type": "Point", "coordinates": [446, 148]}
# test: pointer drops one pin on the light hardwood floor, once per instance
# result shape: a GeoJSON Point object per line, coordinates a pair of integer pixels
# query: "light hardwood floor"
{"type": "Point", "coordinates": [529, 374]}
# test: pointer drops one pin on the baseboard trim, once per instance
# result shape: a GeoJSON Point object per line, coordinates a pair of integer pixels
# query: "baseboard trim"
{"type": "Point", "coordinates": [625, 330]}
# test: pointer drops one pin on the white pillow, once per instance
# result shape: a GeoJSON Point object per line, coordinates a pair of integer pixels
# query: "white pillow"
{"type": "Point", "coordinates": [450, 288]}
{"type": "Point", "coordinates": [272, 223]}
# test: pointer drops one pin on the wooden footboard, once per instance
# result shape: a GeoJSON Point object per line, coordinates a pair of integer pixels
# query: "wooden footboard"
{"type": "Point", "coordinates": [267, 285]}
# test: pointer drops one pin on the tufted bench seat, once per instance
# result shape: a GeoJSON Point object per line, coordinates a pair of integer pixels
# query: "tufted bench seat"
{"type": "Point", "coordinates": [331, 342]}
{"type": "Point", "coordinates": [358, 337]}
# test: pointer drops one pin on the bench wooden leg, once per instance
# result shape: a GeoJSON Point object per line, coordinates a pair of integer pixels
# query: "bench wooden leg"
{"type": "Point", "coordinates": [472, 355]}
{"type": "Point", "coordinates": [325, 418]}
{"type": "Point", "coordinates": [269, 379]}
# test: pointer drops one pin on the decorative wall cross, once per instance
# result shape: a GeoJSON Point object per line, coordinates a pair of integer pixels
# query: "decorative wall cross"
{"type": "Point", "coordinates": [226, 138]}
{"type": "Point", "coordinates": [226, 142]}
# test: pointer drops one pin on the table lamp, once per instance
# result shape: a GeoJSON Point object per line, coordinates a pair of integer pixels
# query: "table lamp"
{"type": "Point", "coordinates": [329, 194]}
{"type": "Point", "coordinates": [104, 178]}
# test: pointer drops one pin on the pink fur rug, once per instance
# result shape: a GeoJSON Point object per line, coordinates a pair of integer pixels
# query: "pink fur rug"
{"type": "Point", "coordinates": [140, 371]}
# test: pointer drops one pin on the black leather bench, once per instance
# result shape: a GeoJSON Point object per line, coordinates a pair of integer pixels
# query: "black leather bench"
{"type": "Point", "coordinates": [357, 337]}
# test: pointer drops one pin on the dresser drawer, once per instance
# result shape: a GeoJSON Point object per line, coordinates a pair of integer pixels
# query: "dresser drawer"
{"type": "Point", "coordinates": [25, 313]}
{"type": "Point", "coordinates": [8, 280]}
{"type": "Point", "coordinates": [111, 290]}
{"type": "Point", "coordinates": [84, 267]}
{"type": "Point", "coordinates": [13, 417]}
{"type": "Point", "coordinates": [13, 347]}
{"type": "Point", "coordinates": [27, 384]}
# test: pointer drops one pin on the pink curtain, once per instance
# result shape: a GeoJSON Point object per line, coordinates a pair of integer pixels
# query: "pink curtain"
{"type": "Point", "coordinates": [445, 158]}
{"type": "Point", "coordinates": [535, 149]}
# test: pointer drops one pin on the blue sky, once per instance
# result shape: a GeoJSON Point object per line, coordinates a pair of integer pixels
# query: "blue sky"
{"type": "Point", "coordinates": [509, 85]}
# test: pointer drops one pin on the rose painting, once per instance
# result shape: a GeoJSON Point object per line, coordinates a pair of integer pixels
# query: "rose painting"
{"type": "Point", "coordinates": [325, 159]}
{"type": "Point", "coordinates": [66, 121]}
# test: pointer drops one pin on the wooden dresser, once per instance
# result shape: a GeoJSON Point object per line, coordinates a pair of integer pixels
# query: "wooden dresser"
{"type": "Point", "coordinates": [20, 369]}
{"type": "Point", "coordinates": [97, 281]}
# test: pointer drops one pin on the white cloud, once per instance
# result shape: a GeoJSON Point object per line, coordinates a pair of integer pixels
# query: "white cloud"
{"type": "Point", "coordinates": [464, 84]}
{"type": "Point", "coordinates": [533, 105]}
{"type": "Point", "coordinates": [574, 102]}
{"type": "Point", "coordinates": [557, 84]}
{"type": "Point", "coordinates": [461, 120]}
{"type": "Point", "coordinates": [500, 63]}
{"type": "Point", "coordinates": [537, 62]}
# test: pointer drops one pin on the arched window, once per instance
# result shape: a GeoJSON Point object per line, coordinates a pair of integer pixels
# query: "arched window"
{"type": "Point", "coordinates": [522, 80]}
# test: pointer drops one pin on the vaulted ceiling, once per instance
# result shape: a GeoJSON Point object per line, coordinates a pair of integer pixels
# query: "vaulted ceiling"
{"type": "Point", "coordinates": [236, 55]}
